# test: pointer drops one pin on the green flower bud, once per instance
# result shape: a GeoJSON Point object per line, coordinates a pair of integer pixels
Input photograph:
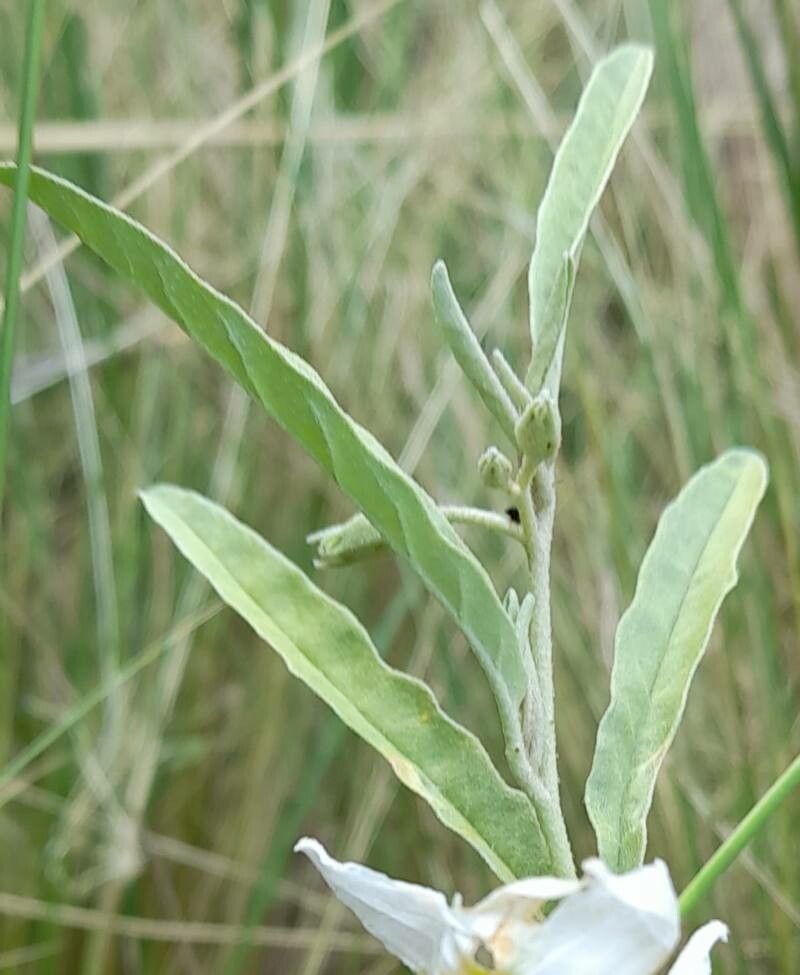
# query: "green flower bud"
{"type": "Point", "coordinates": [538, 430]}
{"type": "Point", "coordinates": [495, 469]}
{"type": "Point", "coordinates": [351, 541]}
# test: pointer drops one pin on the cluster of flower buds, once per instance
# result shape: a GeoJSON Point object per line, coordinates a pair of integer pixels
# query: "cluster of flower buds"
{"type": "Point", "coordinates": [537, 432]}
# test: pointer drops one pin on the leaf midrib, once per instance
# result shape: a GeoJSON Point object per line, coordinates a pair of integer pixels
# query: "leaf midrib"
{"type": "Point", "coordinates": [624, 801]}
{"type": "Point", "coordinates": [340, 695]}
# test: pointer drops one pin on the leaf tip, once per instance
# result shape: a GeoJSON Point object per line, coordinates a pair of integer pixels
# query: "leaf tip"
{"type": "Point", "coordinates": [754, 462]}
{"type": "Point", "coordinates": [635, 51]}
{"type": "Point", "coordinates": [440, 280]}
{"type": "Point", "coordinates": [155, 495]}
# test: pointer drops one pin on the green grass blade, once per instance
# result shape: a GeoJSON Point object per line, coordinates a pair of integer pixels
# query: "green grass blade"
{"type": "Point", "coordinates": [699, 179]}
{"type": "Point", "coordinates": [294, 394]}
{"type": "Point", "coordinates": [581, 169]}
{"type": "Point", "coordinates": [770, 117]}
{"type": "Point", "coordinates": [752, 824]}
{"type": "Point", "coordinates": [324, 645]}
{"type": "Point", "coordinates": [28, 96]}
{"type": "Point", "coordinates": [688, 569]}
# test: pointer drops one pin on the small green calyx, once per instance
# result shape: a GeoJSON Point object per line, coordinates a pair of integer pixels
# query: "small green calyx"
{"type": "Point", "coordinates": [496, 470]}
{"type": "Point", "coordinates": [538, 430]}
{"type": "Point", "coordinates": [352, 541]}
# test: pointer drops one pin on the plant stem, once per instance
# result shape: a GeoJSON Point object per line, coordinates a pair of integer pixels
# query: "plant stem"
{"type": "Point", "coordinates": [537, 513]}
{"type": "Point", "coordinates": [28, 96]}
{"type": "Point", "coordinates": [464, 515]}
{"type": "Point", "coordinates": [752, 824]}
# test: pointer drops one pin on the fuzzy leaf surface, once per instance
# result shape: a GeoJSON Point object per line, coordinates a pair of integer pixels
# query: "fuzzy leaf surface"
{"type": "Point", "coordinates": [293, 393]}
{"type": "Point", "coordinates": [687, 571]}
{"type": "Point", "coordinates": [324, 645]}
{"type": "Point", "coordinates": [581, 169]}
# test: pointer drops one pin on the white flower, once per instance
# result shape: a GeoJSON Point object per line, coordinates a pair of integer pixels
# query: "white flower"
{"type": "Point", "coordinates": [605, 924]}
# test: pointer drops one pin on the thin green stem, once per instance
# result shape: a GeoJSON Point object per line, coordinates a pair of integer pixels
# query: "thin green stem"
{"type": "Point", "coordinates": [752, 824]}
{"type": "Point", "coordinates": [537, 512]}
{"type": "Point", "coordinates": [491, 520]}
{"type": "Point", "coordinates": [356, 539]}
{"type": "Point", "coordinates": [28, 96]}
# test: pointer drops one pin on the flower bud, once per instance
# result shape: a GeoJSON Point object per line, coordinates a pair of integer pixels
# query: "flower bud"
{"type": "Point", "coordinates": [538, 430]}
{"type": "Point", "coordinates": [495, 469]}
{"type": "Point", "coordinates": [351, 541]}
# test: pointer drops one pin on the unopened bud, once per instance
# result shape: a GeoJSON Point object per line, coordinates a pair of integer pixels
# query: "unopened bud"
{"type": "Point", "coordinates": [351, 541]}
{"type": "Point", "coordinates": [538, 430]}
{"type": "Point", "coordinates": [495, 469]}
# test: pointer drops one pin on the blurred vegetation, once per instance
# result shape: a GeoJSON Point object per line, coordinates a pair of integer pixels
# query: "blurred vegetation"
{"type": "Point", "coordinates": [155, 835]}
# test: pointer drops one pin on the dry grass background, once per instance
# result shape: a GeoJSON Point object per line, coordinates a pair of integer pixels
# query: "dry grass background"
{"type": "Point", "coordinates": [155, 835]}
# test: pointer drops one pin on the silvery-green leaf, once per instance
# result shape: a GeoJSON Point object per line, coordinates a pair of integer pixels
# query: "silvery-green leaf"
{"type": "Point", "coordinates": [686, 573]}
{"type": "Point", "coordinates": [292, 392]}
{"type": "Point", "coordinates": [581, 168]}
{"type": "Point", "coordinates": [550, 333]}
{"type": "Point", "coordinates": [324, 645]}
{"type": "Point", "coordinates": [468, 352]}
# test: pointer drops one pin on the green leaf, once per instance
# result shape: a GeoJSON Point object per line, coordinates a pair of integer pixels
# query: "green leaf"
{"type": "Point", "coordinates": [581, 168]}
{"type": "Point", "coordinates": [468, 352]}
{"type": "Point", "coordinates": [292, 392]}
{"type": "Point", "coordinates": [553, 325]}
{"type": "Point", "coordinates": [324, 645]}
{"type": "Point", "coordinates": [688, 569]}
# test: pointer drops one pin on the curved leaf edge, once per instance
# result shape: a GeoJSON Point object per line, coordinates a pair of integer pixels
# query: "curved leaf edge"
{"type": "Point", "coordinates": [610, 847]}
{"type": "Point", "coordinates": [513, 816]}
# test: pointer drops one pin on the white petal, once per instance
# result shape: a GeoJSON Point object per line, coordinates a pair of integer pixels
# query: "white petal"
{"type": "Point", "coordinates": [614, 925]}
{"type": "Point", "coordinates": [524, 895]}
{"type": "Point", "coordinates": [694, 959]}
{"type": "Point", "coordinates": [415, 923]}
{"type": "Point", "coordinates": [500, 920]}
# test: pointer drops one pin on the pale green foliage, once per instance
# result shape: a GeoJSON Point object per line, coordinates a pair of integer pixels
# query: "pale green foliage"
{"type": "Point", "coordinates": [324, 645]}
{"type": "Point", "coordinates": [468, 352]}
{"type": "Point", "coordinates": [292, 392]}
{"type": "Point", "coordinates": [582, 166]}
{"type": "Point", "coordinates": [551, 328]}
{"type": "Point", "coordinates": [687, 571]}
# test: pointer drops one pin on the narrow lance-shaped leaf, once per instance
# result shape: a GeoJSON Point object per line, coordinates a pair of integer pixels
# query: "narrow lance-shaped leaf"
{"type": "Point", "coordinates": [292, 392]}
{"type": "Point", "coordinates": [581, 168]}
{"type": "Point", "coordinates": [688, 569]}
{"type": "Point", "coordinates": [468, 352]}
{"type": "Point", "coordinates": [553, 324]}
{"type": "Point", "coordinates": [324, 645]}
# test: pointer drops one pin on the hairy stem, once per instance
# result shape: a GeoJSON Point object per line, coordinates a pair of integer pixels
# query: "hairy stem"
{"type": "Point", "coordinates": [537, 512]}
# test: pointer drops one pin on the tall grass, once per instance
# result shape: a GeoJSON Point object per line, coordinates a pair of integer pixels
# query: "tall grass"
{"type": "Point", "coordinates": [422, 132]}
